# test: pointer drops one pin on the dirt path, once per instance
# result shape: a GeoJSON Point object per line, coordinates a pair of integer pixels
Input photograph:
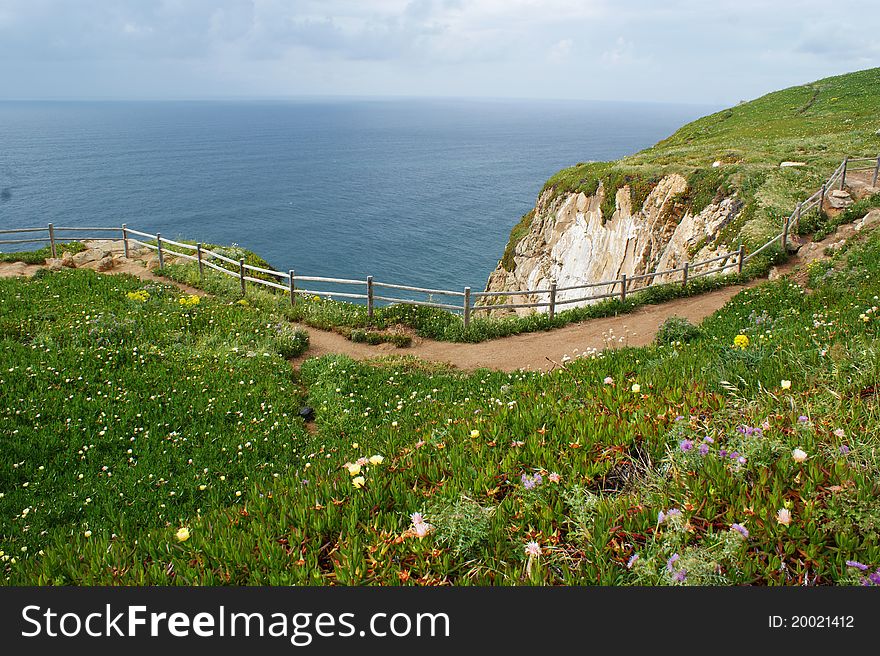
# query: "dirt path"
{"type": "Point", "coordinates": [540, 351]}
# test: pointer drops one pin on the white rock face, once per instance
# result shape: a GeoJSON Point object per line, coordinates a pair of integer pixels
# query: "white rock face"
{"type": "Point", "coordinates": [568, 242]}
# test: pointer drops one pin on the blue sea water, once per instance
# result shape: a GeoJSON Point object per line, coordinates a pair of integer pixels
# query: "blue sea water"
{"type": "Point", "coordinates": [419, 192]}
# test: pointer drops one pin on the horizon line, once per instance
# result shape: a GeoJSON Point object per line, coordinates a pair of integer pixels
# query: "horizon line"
{"type": "Point", "coordinates": [350, 97]}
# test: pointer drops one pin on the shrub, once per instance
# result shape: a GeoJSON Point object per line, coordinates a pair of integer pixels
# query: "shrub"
{"type": "Point", "coordinates": [677, 330]}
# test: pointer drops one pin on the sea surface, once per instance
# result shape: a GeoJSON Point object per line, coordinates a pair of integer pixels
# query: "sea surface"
{"type": "Point", "coordinates": [417, 192]}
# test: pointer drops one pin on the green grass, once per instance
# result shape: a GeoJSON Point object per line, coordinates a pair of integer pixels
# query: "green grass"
{"type": "Point", "coordinates": [41, 255]}
{"type": "Point", "coordinates": [818, 123]}
{"type": "Point", "coordinates": [116, 410]}
{"type": "Point", "coordinates": [464, 450]}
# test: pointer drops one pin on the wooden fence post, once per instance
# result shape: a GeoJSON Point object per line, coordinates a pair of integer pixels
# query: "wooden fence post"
{"type": "Point", "coordinates": [843, 173]}
{"type": "Point", "coordinates": [552, 311]}
{"type": "Point", "coordinates": [797, 215]}
{"type": "Point", "coordinates": [292, 286]}
{"type": "Point", "coordinates": [370, 298]}
{"type": "Point", "coordinates": [52, 240]}
{"type": "Point", "coordinates": [467, 307]}
{"type": "Point", "coordinates": [742, 254]}
{"type": "Point", "coordinates": [876, 171]}
{"type": "Point", "coordinates": [159, 249]}
{"type": "Point", "coordinates": [125, 240]}
{"type": "Point", "coordinates": [199, 256]}
{"type": "Point", "coordinates": [241, 275]}
{"type": "Point", "coordinates": [684, 278]}
{"type": "Point", "coordinates": [622, 286]}
{"type": "Point", "coordinates": [784, 236]}
{"type": "Point", "coordinates": [822, 198]}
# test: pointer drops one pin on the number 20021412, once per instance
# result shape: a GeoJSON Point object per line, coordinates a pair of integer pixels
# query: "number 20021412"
{"type": "Point", "coordinates": [811, 622]}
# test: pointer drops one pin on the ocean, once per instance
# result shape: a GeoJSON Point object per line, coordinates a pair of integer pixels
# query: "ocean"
{"type": "Point", "coordinates": [416, 192]}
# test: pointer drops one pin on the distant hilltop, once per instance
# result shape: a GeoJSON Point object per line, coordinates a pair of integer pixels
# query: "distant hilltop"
{"type": "Point", "coordinates": [727, 179]}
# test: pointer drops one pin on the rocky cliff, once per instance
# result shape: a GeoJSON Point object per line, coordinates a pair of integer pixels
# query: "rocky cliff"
{"type": "Point", "coordinates": [570, 241]}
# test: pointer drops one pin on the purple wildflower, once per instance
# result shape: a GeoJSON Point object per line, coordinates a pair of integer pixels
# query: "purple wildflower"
{"type": "Point", "coordinates": [742, 530]}
{"type": "Point", "coordinates": [709, 440]}
{"type": "Point", "coordinates": [741, 460]}
{"type": "Point", "coordinates": [686, 445]}
{"type": "Point", "coordinates": [661, 517]}
{"type": "Point", "coordinates": [670, 564]}
{"type": "Point", "coordinates": [856, 564]}
{"type": "Point", "coordinates": [734, 455]}
{"type": "Point", "coordinates": [632, 561]}
{"type": "Point", "coordinates": [875, 577]}
{"type": "Point", "coordinates": [704, 449]}
{"type": "Point", "coordinates": [530, 482]}
{"type": "Point", "coordinates": [674, 512]}
{"type": "Point", "coordinates": [680, 576]}
{"type": "Point", "coordinates": [803, 419]}
{"type": "Point", "coordinates": [844, 449]}
{"type": "Point", "coordinates": [722, 453]}
{"type": "Point", "coordinates": [679, 418]}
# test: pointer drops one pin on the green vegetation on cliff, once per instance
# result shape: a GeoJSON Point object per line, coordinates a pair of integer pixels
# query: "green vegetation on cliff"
{"type": "Point", "coordinates": [818, 124]}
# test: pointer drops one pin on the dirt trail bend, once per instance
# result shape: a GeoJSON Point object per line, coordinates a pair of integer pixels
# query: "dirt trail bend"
{"type": "Point", "coordinates": [536, 351]}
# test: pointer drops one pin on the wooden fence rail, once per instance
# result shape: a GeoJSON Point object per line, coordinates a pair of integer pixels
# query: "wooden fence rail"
{"type": "Point", "coordinates": [618, 288]}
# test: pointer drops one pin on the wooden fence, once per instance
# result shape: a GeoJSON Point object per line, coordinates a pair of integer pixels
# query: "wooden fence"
{"type": "Point", "coordinates": [291, 283]}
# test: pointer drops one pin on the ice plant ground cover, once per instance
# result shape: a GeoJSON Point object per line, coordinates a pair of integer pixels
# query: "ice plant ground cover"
{"type": "Point", "coordinates": [710, 461]}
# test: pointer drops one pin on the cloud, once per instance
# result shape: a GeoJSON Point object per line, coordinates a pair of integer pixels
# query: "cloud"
{"type": "Point", "coordinates": [623, 52]}
{"type": "Point", "coordinates": [628, 49]}
{"type": "Point", "coordinates": [840, 41]}
{"type": "Point", "coordinates": [560, 51]}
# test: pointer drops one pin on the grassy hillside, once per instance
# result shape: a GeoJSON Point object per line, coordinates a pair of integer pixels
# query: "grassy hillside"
{"type": "Point", "coordinates": [155, 441]}
{"type": "Point", "coordinates": [817, 123]}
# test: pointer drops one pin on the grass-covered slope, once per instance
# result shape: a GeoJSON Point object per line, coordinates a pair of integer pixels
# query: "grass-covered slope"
{"type": "Point", "coordinates": [817, 124]}
{"type": "Point", "coordinates": [745, 452]}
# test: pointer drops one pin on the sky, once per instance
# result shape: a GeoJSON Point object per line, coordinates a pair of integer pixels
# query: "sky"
{"type": "Point", "coordinates": [690, 51]}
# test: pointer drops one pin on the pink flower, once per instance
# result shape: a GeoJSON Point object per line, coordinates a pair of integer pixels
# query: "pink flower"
{"type": "Point", "coordinates": [608, 380]}
{"type": "Point", "coordinates": [783, 516]}
{"type": "Point", "coordinates": [533, 549]}
{"type": "Point", "coordinates": [553, 477]}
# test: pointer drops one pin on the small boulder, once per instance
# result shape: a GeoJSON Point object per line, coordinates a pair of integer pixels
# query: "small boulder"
{"type": "Point", "coordinates": [68, 261]}
{"type": "Point", "coordinates": [106, 263]}
{"type": "Point", "coordinates": [307, 413]}
{"type": "Point", "coordinates": [53, 263]}
{"type": "Point", "coordinates": [839, 199]}
{"type": "Point", "coordinates": [785, 165]}
{"type": "Point", "coordinates": [716, 164]}
{"type": "Point", "coordinates": [773, 274]}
